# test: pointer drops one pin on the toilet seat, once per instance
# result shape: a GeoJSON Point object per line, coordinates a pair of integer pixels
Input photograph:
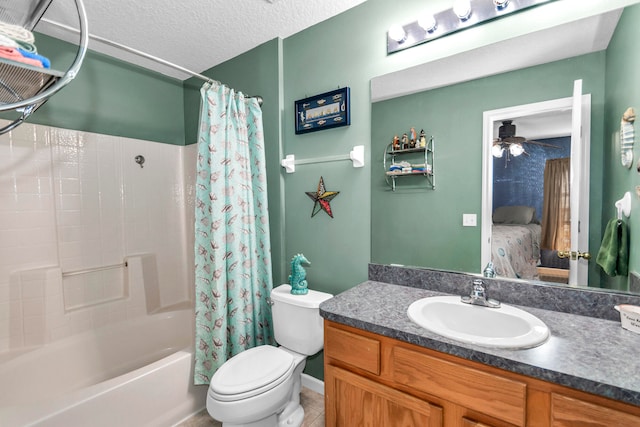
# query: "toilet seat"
{"type": "Point", "coordinates": [250, 373]}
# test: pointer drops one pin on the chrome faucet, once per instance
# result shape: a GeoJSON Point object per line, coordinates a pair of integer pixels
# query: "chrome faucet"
{"type": "Point", "coordinates": [479, 296]}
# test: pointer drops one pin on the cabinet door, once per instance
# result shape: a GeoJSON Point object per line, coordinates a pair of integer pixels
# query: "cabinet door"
{"type": "Point", "coordinates": [498, 397]}
{"type": "Point", "coordinates": [354, 401]}
{"type": "Point", "coordinates": [569, 412]}
{"type": "Point", "coordinates": [466, 422]}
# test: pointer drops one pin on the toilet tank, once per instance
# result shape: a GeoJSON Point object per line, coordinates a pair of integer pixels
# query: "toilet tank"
{"type": "Point", "coordinates": [297, 324]}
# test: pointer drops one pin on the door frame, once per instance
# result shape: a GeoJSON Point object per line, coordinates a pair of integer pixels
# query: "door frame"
{"type": "Point", "coordinates": [514, 112]}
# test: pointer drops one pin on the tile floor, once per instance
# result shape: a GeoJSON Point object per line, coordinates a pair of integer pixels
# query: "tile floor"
{"type": "Point", "coordinates": [312, 402]}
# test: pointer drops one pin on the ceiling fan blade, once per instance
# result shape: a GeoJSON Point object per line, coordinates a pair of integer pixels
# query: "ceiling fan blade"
{"type": "Point", "coordinates": [514, 140]}
{"type": "Point", "coordinates": [544, 144]}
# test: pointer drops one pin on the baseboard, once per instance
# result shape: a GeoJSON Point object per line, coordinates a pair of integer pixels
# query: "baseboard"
{"type": "Point", "coordinates": [313, 383]}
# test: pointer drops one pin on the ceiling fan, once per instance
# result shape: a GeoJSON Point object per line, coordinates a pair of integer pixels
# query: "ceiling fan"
{"type": "Point", "coordinates": [507, 142]}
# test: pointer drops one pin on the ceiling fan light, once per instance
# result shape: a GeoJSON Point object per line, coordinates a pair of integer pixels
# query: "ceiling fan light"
{"type": "Point", "coordinates": [497, 151]}
{"type": "Point", "coordinates": [516, 149]}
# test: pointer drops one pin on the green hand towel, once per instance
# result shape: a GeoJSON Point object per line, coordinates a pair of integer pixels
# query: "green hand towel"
{"type": "Point", "coordinates": [622, 265]}
{"type": "Point", "coordinates": [613, 255]}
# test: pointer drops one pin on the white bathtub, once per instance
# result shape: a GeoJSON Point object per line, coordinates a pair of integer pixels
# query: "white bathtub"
{"type": "Point", "coordinates": [133, 373]}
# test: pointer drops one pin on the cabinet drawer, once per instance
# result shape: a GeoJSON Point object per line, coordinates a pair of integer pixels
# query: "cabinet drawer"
{"type": "Point", "coordinates": [569, 412]}
{"type": "Point", "coordinates": [355, 350]}
{"type": "Point", "coordinates": [486, 393]}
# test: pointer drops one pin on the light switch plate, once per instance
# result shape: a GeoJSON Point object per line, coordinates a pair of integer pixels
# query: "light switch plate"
{"type": "Point", "coordinates": [469, 220]}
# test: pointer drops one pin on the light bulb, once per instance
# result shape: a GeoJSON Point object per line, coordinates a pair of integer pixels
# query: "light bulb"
{"type": "Point", "coordinates": [497, 150]}
{"type": "Point", "coordinates": [428, 23]}
{"type": "Point", "coordinates": [501, 4]}
{"type": "Point", "coordinates": [397, 33]}
{"type": "Point", "coordinates": [462, 9]}
{"type": "Point", "coordinates": [516, 149]}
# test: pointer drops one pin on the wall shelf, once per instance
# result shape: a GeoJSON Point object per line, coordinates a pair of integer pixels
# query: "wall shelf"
{"type": "Point", "coordinates": [20, 81]}
{"type": "Point", "coordinates": [24, 88]}
{"type": "Point", "coordinates": [424, 155]}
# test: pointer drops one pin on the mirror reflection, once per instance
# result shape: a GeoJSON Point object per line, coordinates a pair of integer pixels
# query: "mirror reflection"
{"type": "Point", "coordinates": [530, 214]}
{"type": "Point", "coordinates": [418, 226]}
{"type": "Point", "coordinates": [536, 214]}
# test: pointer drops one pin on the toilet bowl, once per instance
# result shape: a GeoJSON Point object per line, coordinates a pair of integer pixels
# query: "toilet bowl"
{"type": "Point", "coordinates": [251, 388]}
{"type": "Point", "coordinates": [260, 387]}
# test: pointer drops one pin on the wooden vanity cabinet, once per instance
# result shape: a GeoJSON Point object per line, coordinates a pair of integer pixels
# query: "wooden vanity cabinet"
{"type": "Point", "coordinates": [359, 401]}
{"type": "Point", "coordinates": [372, 380]}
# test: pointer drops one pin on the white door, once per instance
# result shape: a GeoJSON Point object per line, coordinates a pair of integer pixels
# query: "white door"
{"type": "Point", "coordinates": [579, 182]}
{"type": "Point", "coordinates": [580, 106]}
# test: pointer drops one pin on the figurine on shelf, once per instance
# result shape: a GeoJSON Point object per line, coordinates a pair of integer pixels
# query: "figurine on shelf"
{"type": "Point", "coordinates": [396, 143]}
{"type": "Point", "coordinates": [405, 141]}
{"type": "Point", "coordinates": [412, 141]}
{"type": "Point", "coordinates": [423, 139]}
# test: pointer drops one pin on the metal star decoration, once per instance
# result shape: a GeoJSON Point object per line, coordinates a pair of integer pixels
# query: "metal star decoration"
{"type": "Point", "coordinates": [322, 198]}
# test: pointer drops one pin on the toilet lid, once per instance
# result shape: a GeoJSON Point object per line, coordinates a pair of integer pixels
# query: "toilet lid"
{"type": "Point", "coordinates": [252, 372]}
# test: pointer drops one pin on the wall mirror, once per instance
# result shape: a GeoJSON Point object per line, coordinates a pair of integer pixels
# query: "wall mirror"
{"type": "Point", "coordinates": [448, 98]}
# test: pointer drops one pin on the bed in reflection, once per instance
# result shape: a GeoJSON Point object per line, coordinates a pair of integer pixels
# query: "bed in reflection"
{"type": "Point", "coordinates": [516, 247]}
{"type": "Point", "coordinates": [515, 250]}
{"type": "Point", "coordinates": [515, 242]}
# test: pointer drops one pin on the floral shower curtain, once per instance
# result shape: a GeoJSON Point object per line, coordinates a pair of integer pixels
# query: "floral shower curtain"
{"type": "Point", "coordinates": [232, 247]}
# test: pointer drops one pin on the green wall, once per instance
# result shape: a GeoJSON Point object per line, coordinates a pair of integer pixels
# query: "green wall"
{"type": "Point", "coordinates": [112, 97]}
{"type": "Point", "coordinates": [422, 227]}
{"type": "Point", "coordinates": [623, 90]}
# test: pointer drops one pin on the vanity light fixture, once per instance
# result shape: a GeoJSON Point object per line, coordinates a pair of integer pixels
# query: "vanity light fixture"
{"type": "Point", "coordinates": [428, 23]}
{"type": "Point", "coordinates": [397, 34]}
{"type": "Point", "coordinates": [463, 14]}
{"type": "Point", "coordinates": [501, 4]}
{"type": "Point", "coordinates": [462, 9]}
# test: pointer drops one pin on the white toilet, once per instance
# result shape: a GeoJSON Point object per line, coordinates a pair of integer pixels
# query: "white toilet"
{"type": "Point", "coordinates": [260, 387]}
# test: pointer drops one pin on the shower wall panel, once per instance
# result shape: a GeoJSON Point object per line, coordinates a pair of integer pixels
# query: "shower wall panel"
{"type": "Point", "coordinates": [73, 200]}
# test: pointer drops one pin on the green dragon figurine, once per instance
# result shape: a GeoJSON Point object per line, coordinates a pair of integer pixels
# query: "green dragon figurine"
{"type": "Point", "coordinates": [297, 278]}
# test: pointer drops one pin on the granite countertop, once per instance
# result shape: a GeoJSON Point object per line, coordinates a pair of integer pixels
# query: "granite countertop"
{"type": "Point", "coordinates": [586, 353]}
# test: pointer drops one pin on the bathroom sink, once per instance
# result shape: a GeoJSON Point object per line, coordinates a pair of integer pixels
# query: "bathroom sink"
{"type": "Point", "coordinates": [504, 327]}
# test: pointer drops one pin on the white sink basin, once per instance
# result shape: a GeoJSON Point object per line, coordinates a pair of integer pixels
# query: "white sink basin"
{"type": "Point", "coordinates": [503, 327]}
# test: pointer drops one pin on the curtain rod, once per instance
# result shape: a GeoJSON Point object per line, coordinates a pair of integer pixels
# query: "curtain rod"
{"type": "Point", "coordinates": [143, 54]}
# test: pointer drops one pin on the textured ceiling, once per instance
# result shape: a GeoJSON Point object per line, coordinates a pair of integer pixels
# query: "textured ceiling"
{"type": "Point", "coordinates": [195, 34]}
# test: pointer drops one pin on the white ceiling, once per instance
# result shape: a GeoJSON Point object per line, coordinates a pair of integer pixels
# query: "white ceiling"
{"type": "Point", "coordinates": [195, 34]}
{"type": "Point", "coordinates": [541, 126]}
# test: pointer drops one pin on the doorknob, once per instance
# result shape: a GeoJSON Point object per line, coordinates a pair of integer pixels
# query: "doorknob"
{"type": "Point", "coordinates": [585, 255]}
{"type": "Point", "coordinates": [574, 255]}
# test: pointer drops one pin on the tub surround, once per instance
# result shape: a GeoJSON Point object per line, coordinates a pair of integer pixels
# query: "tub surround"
{"type": "Point", "coordinates": [89, 375]}
{"type": "Point", "coordinates": [587, 351]}
{"type": "Point", "coordinates": [73, 200]}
